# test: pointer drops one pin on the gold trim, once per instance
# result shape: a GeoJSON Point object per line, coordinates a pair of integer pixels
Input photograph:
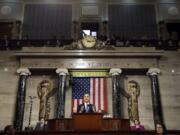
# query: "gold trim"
{"type": "Point", "coordinates": [89, 73]}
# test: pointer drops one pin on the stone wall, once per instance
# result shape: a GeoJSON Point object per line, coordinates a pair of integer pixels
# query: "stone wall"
{"type": "Point", "coordinates": [169, 78]}
{"type": "Point", "coordinates": [14, 9]}
{"type": "Point", "coordinates": [169, 88]}
{"type": "Point", "coordinates": [11, 10]}
{"type": "Point", "coordinates": [8, 87]}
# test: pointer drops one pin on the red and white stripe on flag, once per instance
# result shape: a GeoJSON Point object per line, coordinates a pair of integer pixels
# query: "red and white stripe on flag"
{"type": "Point", "coordinates": [98, 95]}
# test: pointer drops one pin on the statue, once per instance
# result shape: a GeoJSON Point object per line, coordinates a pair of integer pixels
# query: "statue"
{"type": "Point", "coordinates": [43, 90]}
{"type": "Point", "coordinates": [133, 92]}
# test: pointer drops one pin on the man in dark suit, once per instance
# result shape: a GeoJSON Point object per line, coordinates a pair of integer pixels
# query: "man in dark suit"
{"type": "Point", "coordinates": [40, 126]}
{"type": "Point", "coordinates": [86, 107]}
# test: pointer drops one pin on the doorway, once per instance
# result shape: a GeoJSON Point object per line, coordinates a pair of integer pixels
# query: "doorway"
{"type": "Point", "coordinates": [174, 30]}
{"type": "Point", "coordinates": [89, 28]}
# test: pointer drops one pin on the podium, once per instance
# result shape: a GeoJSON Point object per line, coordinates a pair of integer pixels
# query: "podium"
{"type": "Point", "coordinates": [88, 122]}
{"type": "Point", "coordinates": [63, 124]}
{"type": "Point", "coordinates": [114, 124]}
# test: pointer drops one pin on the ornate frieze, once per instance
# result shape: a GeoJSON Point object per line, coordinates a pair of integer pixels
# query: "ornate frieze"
{"type": "Point", "coordinates": [88, 59]}
{"type": "Point", "coordinates": [93, 63]}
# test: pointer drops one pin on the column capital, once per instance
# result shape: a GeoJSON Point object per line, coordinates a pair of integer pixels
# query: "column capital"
{"type": "Point", "coordinates": [62, 71]}
{"type": "Point", "coordinates": [23, 71]}
{"type": "Point", "coordinates": [115, 71]}
{"type": "Point", "coordinates": [153, 71]}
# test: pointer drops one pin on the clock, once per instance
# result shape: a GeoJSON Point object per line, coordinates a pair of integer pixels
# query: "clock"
{"type": "Point", "coordinates": [89, 41]}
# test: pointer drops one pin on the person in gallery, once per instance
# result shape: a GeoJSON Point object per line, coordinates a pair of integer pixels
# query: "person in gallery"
{"type": "Point", "coordinates": [86, 107]}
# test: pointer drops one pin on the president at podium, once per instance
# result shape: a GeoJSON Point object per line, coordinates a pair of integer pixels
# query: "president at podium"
{"type": "Point", "coordinates": [86, 107]}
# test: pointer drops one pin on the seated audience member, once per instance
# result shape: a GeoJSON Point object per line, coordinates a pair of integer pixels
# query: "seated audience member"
{"type": "Point", "coordinates": [160, 129]}
{"type": "Point", "coordinates": [5, 42]}
{"type": "Point", "coordinates": [86, 107]}
{"type": "Point", "coordinates": [58, 43]}
{"type": "Point", "coordinates": [26, 37]}
{"type": "Point", "coordinates": [174, 36]}
{"type": "Point", "coordinates": [119, 43]}
{"type": "Point", "coordinates": [40, 126]}
{"type": "Point", "coordinates": [137, 126]}
{"type": "Point", "coordinates": [9, 130]}
{"type": "Point", "coordinates": [127, 43]}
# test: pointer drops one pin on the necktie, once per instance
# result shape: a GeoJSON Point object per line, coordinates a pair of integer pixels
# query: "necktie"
{"type": "Point", "coordinates": [86, 107]}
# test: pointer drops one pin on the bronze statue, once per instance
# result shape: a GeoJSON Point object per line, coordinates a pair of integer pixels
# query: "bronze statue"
{"type": "Point", "coordinates": [133, 92]}
{"type": "Point", "coordinates": [43, 91]}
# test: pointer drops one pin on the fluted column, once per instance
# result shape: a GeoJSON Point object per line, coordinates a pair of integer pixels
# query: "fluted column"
{"type": "Point", "coordinates": [116, 92]}
{"type": "Point", "coordinates": [156, 100]}
{"type": "Point", "coordinates": [20, 99]}
{"type": "Point", "coordinates": [61, 92]}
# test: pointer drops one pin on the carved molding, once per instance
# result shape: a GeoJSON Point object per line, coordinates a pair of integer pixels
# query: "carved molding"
{"type": "Point", "coordinates": [62, 71]}
{"type": "Point", "coordinates": [91, 59]}
{"type": "Point", "coordinates": [23, 71]}
{"type": "Point", "coordinates": [115, 71]}
{"type": "Point", "coordinates": [153, 71]}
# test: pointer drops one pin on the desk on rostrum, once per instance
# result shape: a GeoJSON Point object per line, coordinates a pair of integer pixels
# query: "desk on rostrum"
{"type": "Point", "coordinates": [88, 122]}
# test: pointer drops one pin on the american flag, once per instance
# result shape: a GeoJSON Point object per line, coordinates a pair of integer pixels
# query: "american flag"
{"type": "Point", "coordinates": [96, 86]}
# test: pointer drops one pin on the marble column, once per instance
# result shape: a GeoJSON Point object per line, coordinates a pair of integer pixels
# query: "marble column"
{"type": "Point", "coordinates": [156, 99]}
{"type": "Point", "coordinates": [20, 99]}
{"type": "Point", "coordinates": [60, 113]}
{"type": "Point", "coordinates": [116, 92]}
